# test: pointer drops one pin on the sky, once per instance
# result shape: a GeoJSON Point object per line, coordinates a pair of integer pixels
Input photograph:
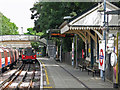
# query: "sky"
{"type": "Point", "coordinates": [18, 11]}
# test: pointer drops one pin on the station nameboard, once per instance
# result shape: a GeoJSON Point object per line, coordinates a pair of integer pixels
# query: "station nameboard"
{"type": "Point", "coordinates": [61, 35]}
{"type": "Point", "coordinates": [102, 54]}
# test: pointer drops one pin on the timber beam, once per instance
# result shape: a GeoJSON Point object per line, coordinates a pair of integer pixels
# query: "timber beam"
{"type": "Point", "coordinates": [78, 34]}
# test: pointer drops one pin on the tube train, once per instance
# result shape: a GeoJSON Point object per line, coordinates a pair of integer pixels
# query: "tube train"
{"type": "Point", "coordinates": [8, 57]}
{"type": "Point", "coordinates": [28, 55]}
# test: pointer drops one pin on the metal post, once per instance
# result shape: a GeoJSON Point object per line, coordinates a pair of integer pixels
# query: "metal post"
{"type": "Point", "coordinates": [117, 64]}
{"type": "Point", "coordinates": [61, 51]}
{"type": "Point", "coordinates": [76, 52]}
{"type": "Point", "coordinates": [73, 51]}
{"type": "Point", "coordinates": [104, 38]}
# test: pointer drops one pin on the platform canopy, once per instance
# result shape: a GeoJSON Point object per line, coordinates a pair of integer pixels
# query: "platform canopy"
{"type": "Point", "coordinates": [20, 41]}
{"type": "Point", "coordinates": [91, 20]}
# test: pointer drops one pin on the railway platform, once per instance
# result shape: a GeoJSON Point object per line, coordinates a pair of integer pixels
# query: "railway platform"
{"type": "Point", "coordinates": [61, 75]}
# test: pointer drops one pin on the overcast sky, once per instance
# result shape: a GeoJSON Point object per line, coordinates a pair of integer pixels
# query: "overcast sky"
{"type": "Point", "coordinates": [18, 11]}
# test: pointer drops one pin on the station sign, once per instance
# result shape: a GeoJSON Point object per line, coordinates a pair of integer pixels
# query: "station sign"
{"type": "Point", "coordinates": [110, 46]}
{"type": "Point", "coordinates": [118, 42]}
{"type": "Point", "coordinates": [102, 54]}
{"type": "Point", "coordinates": [61, 35]}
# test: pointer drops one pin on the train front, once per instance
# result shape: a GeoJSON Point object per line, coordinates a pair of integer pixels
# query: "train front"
{"type": "Point", "coordinates": [29, 55]}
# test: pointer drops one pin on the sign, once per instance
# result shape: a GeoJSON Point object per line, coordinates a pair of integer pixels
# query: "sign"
{"type": "Point", "coordinates": [113, 59]}
{"type": "Point", "coordinates": [110, 46]}
{"type": "Point", "coordinates": [89, 50]}
{"type": "Point", "coordinates": [102, 54]}
{"type": "Point", "coordinates": [61, 35]}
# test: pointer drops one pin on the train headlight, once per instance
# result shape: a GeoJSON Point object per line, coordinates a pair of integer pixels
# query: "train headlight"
{"type": "Point", "coordinates": [33, 56]}
{"type": "Point", "coordinates": [23, 56]}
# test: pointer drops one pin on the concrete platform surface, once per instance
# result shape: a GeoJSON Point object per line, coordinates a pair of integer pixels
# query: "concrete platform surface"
{"type": "Point", "coordinates": [59, 78]}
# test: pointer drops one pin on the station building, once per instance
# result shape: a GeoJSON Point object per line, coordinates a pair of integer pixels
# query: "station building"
{"type": "Point", "coordinates": [89, 27]}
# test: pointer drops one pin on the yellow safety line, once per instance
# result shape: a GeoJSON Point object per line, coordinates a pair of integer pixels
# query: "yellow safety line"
{"type": "Point", "coordinates": [47, 87]}
{"type": "Point", "coordinates": [47, 80]}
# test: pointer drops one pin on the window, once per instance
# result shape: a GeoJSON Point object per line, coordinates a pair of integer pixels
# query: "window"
{"type": "Point", "coordinates": [11, 53]}
{"type": "Point", "coordinates": [8, 54]}
{"type": "Point", "coordinates": [2, 54]}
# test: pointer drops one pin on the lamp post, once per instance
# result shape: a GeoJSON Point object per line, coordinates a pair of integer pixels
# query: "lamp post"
{"type": "Point", "coordinates": [76, 51]}
{"type": "Point", "coordinates": [47, 31]}
{"type": "Point", "coordinates": [102, 73]}
{"type": "Point", "coordinates": [104, 36]}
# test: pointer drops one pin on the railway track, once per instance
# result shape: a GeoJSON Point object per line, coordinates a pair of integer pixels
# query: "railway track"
{"type": "Point", "coordinates": [9, 78]}
{"type": "Point", "coordinates": [26, 76]}
{"type": "Point", "coordinates": [20, 82]}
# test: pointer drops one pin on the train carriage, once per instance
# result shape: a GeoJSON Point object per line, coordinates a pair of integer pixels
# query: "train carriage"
{"type": "Point", "coordinates": [8, 58]}
{"type": "Point", "coordinates": [7, 55]}
{"type": "Point", "coordinates": [29, 55]}
{"type": "Point", "coordinates": [12, 57]}
{"type": "Point", "coordinates": [16, 55]}
{"type": "Point", "coordinates": [2, 58]}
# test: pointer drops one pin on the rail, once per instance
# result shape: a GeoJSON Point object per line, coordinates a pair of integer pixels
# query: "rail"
{"type": "Point", "coordinates": [11, 81]}
{"type": "Point", "coordinates": [18, 86]}
{"type": "Point", "coordinates": [8, 79]}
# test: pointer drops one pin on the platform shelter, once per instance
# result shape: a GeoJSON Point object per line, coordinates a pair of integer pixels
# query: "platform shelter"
{"type": "Point", "coordinates": [89, 27]}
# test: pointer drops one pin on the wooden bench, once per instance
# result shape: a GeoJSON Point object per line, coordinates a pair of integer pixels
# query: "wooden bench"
{"type": "Point", "coordinates": [94, 70]}
{"type": "Point", "coordinates": [82, 65]}
{"type": "Point", "coordinates": [90, 70]}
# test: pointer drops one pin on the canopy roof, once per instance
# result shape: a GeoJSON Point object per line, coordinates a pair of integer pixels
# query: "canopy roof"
{"type": "Point", "coordinates": [93, 19]}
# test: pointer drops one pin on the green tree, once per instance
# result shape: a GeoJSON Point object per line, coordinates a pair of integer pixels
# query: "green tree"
{"type": "Point", "coordinates": [33, 32]}
{"type": "Point", "coordinates": [49, 15]}
{"type": "Point", "coordinates": [7, 27]}
{"type": "Point", "coordinates": [35, 45]}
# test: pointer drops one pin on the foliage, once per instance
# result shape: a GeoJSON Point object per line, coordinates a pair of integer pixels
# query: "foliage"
{"type": "Point", "coordinates": [49, 15]}
{"type": "Point", "coordinates": [67, 47]}
{"type": "Point", "coordinates": [7, 27]}
{"type": "Point", "coordinates": [32, 32]}
{"type": "Point", "coordinates": [35, 45]}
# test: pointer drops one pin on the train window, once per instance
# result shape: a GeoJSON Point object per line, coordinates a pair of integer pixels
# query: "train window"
{"type": "Point", "coordinates": [29, 52]}
{"type": "Point", "coordinates": [2, 53]}
{"type": "Point", "coordinates": [24, 52]}
{"type": "Point", "coordinates": [33, 51]}
{"type": "Point", "coordinates": [8, 54]}
{"type": "Point", "coordinates": [11, 54]}
{"type": "Point", "coordinates": [15, 54]}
